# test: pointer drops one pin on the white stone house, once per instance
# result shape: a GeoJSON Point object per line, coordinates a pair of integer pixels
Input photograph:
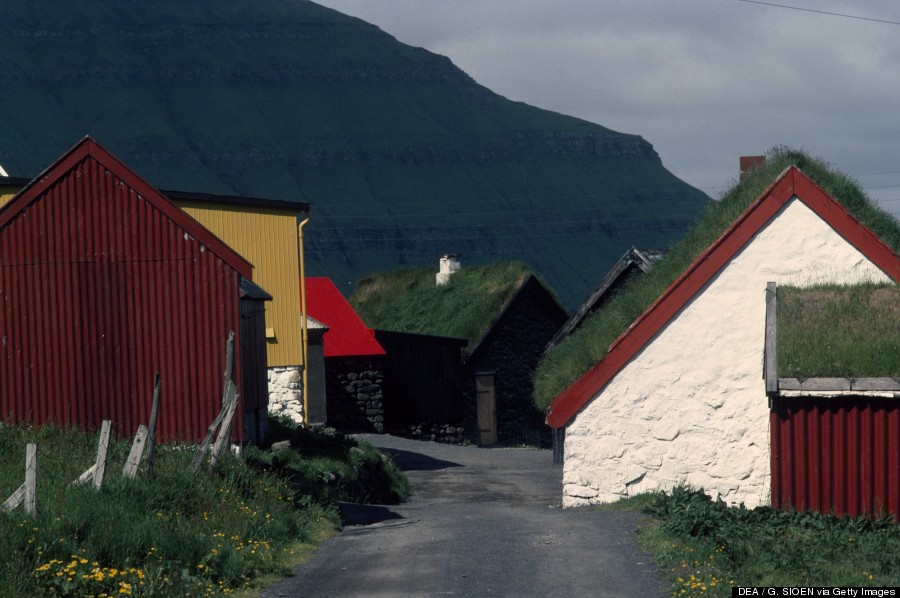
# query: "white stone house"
{"type": "Point", "coordinates": [680, 396]}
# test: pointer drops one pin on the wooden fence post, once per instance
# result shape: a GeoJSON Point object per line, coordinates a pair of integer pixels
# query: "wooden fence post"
{"type": "Point", "coordinates": [96, 471]}
{"type": "Point", "coordinates": [136, 452]}
{"type": "Point", "coordinates": [14, 500]}
{"type": "Point", "coordinates": [25, 492]}
{"type": "Point", "coordinates": [30, 478]}
{"type": "Point", "coordinates": [154, 413]}
{"type": "Point", "coordinates": [226, 401]}
{"type": "Point", "coordinates": [224, 437]}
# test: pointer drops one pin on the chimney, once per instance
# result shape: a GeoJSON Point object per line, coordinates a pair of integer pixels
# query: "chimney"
{"type": "Point", "coordinates": [449, 263]}
{"type": "Point", "coordinates": [748, 163]}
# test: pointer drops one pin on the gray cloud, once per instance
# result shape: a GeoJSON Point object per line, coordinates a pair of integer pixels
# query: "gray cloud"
{"type": "Point", "coordinates": [704, 81]}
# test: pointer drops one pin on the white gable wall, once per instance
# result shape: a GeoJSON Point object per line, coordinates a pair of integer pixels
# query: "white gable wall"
{"type": "Point", "coordinates": [691, 406]}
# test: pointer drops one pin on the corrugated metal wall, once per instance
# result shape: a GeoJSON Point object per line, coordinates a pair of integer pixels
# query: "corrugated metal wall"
{"type": "Point", "coordinates": [422, 378]}
{"type": "Point", "coordinates": [268, 238]}
{"type": "Point", "coordinates": [838, 455]}
{"type": "Point", "coordinates": [99, 290]}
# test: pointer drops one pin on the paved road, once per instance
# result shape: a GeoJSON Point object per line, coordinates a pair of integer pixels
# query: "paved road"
{"type": "Point", "coordinates": [482, 522]}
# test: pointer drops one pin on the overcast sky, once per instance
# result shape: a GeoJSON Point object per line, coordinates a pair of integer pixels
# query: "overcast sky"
{"type": "Point", "coordinates": [704, 81]}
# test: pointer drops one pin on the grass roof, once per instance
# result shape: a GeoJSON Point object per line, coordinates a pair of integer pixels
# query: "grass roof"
{"type": "Point", "coordinates": [582, 350]}
{"type": "Point", "coordinates": [408, 300]}
{"type": "Point", "coordinates": [839, 331]}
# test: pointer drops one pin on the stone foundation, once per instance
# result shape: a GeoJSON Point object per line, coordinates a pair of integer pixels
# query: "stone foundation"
{"type": "Point", "coordinates": [444, 433]}
{"type": "Point", "coordinates": [286, 392]}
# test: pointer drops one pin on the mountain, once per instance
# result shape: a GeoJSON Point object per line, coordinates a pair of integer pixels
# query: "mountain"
{"type": "Point", "coordinates": [402, 155]}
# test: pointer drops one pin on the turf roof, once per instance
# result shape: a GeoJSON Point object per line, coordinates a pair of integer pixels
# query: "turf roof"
{"type": "Point", "coordinates": [589, 345]}
{"type": "Point", "coordinates": [408, 300]}
{"type": "Point", "coordinates": [839, 331]}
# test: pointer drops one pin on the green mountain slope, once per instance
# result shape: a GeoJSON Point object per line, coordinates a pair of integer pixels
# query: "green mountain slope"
{"type": "Point", "coordinates": [402, 155]}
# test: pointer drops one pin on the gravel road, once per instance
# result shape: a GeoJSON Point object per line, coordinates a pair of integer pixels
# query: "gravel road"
{"type": "Point", "coordinates": [482, 522]}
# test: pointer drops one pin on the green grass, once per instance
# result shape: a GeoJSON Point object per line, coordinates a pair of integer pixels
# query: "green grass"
{"type": "Point", "coordinates": [176, 533]}
{"type": "Point", "coordinates": [704, 547]}
{"type": "Point", "coordinates": [410, 301]}
{"type": "Point", "coordinates": [839, 331]}
{"type": "Point", "coordinates": [590, 343]}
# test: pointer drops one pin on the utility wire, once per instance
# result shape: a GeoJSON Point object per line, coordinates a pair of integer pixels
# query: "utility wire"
{"type": "Point", "coordinates": [821, 12]}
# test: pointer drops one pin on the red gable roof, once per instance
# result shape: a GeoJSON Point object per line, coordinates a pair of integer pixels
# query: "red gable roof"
{"type": "Point", "coordinates": [88, 148]}
{"type": "Point", "coordinates": [347, 334]}
{"type": "Point", "coordinates": [792, 183]}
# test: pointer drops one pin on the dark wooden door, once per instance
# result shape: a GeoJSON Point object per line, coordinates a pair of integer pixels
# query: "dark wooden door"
{"type": "Point", "coordinates": [487, 409]}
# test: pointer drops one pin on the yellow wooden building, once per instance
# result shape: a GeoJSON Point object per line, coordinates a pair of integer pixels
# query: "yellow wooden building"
{"type": "Point", "coordinates": [267, 233]}
{"type": "Point", "coordinates": [9, 186]}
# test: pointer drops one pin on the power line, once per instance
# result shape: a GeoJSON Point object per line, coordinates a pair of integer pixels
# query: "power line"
{"type": "Point", "coordinates": [821, 12]}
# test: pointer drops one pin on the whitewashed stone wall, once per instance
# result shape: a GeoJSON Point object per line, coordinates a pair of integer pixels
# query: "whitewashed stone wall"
{"type": "Point", "coordinates": [691, 406]}
{"type": "Point", "coordinates": [286, 392]}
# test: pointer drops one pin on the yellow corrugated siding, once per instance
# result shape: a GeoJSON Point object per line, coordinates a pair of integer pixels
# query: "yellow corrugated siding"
{"type": "Point", "coordinates": [268, 239]}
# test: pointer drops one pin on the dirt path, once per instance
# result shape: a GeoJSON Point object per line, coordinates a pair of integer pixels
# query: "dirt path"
{"type": "Point", "coordinates": [483, 522]}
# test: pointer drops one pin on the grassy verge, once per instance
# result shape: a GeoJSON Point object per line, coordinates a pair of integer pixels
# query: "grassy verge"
{"type": "Point", "coordinates": [177, 533]}
{"type": "Point", "coordinates": [704, 547]}
{"type": "Point", "coordinates": [839, 331]}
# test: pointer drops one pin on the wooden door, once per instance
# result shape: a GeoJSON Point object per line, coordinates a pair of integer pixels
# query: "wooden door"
{"type": "Point", "coordinates": [487, 409]}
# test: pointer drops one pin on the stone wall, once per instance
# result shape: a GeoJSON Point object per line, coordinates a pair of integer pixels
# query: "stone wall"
{"type": "Point", "coordinates": [443, 433]}
{"type": "Point", "coordinates": [286, 392]}
{"type": "Point", "coordinates": [691, 406]}
{"type": "Point", "coordinates": [353, 386]}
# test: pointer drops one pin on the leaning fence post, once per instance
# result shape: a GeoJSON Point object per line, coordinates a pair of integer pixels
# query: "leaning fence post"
{"type": "Point", "coordinates": [14, 500]}
{"type": "Point", "coordinates": [30, 478]}
{"type": "Point", "coordinates": [224, 436]}
{"type": "Point", "coordinates": [98, 469]}
{"type": "Point", "coordinates": [101, 454]}
{"type": "Point", "coordinates": [226, 393]}
{"type": "Point", "coordinates": [136, 452]}
{"type": "Point", "coordinates": [154, 413]}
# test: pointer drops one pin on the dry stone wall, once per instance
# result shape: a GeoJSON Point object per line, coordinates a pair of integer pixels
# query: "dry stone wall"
{"type": "Point", "coordinates": [353, 388]}
{"type": "Point", "coordinates": [286, 392]}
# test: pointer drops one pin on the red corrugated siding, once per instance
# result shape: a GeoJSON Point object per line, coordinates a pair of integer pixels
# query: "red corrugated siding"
{"type": "Point", "coordinates": [99, 289]}
{"type": "Point", "coordinates": [838, 455]}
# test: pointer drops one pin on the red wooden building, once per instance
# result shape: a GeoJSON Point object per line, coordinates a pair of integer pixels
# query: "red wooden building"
{"type": "Point", "coordinates": [104, 282]}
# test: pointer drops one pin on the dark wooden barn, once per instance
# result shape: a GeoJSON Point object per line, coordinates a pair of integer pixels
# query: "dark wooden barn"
{"type": "Point", "coordinates": [422, 378]}
{"type": "Point", "coordinates": [103, 283]}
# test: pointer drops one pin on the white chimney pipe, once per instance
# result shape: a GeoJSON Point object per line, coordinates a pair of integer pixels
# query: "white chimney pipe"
{"type": "Point", "coordinates": [449, 263]}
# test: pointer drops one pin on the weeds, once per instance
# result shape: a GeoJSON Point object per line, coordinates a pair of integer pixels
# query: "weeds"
{"type": "Point", "coordinates": [177, 533]}
{"type": "Point", "coordinates": [705, 547]}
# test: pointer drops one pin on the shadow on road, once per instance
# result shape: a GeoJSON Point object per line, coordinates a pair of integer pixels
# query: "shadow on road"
{"type": "Point", "coordinates": [412, 461]}
{"type": "Point", "coordinates": [357, 514]}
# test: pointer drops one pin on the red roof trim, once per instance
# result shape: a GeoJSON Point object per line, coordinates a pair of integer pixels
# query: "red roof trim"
{"type": "Point", "coordinates": [791, 183]}
{"type": "Point", "coordinates": [87, 147]}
